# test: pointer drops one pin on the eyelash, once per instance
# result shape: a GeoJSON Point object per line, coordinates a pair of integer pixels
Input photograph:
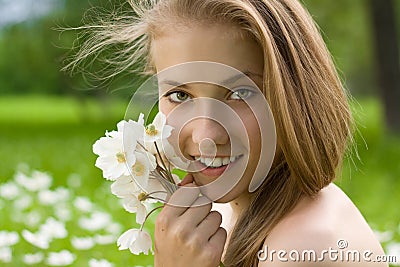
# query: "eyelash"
{"type": "Point", "coordinates": [169, 94]}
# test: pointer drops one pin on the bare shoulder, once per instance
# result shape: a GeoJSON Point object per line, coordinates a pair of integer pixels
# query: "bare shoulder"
{"type": "Point", "coordinates": [327, 230]}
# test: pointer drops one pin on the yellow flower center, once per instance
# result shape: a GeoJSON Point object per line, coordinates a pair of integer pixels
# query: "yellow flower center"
{"type": "Point", "coordinates": [142, 196]}
{"type": "Point", "coordinates": [121, 157]}
{"type": "Point", "coordinates": [138, 169]}
{"type": "Point", "coordinates": [151, 130]}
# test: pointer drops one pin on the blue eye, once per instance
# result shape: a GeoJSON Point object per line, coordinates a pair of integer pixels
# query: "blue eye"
{"type": "Point", "coordinates": [241, 94]}
{"type": "Point", "coordinates": [178, 96]}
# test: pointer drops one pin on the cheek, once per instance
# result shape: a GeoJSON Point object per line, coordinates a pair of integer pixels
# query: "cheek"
{"type": "Point", "coordinates": [164, 107]}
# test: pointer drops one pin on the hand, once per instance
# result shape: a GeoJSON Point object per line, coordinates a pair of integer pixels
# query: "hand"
{"type": "Point", "coordinates": [187, 233]}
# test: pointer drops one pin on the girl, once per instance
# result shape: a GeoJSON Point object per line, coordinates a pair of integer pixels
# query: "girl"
{"type": "Point", "coordinates": [297, 216]}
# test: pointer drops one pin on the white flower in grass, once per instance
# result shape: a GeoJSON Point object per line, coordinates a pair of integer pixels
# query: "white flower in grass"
{"type": "Point", "coordinates": [114, 228]}
{"type": "Point", "coordinates": [5, 254]}
{"type": "Point", "coordinates": [32, 259]}
{"type": "Point", "coordinates": [383, 236]}
{"type": "Point", "coordinates": [51, 197]}
{"type": "Point", "coordinates": [33, 218]}
{"type": "Point", "coordinates": [83, 204]}
{"type": "Point", "coordinates": [62, 258]}
{"type": "Point", "coordinates": [23, 202]}
{"type": "Point", "coordinates": [97, 220]}
{"type": "Point", "coordinates": [38, 181]}
{"type": "Point", "coordinates": [82, 243]}
{"type": "Point", "coordinates": [158, 129]}
{"type": "Point", "coordinates": [104, 239]}
{"type": "Point", "coordinates": [53, 229]}
{"type": "Point", "coordinates": [393, 249]}
{"type": "Point", "coordinates": [9, 191]}
{"type": "Point", "coordinates": [100, 263]}
{"type": "Point", "coordinates": [63, 213]}
{"type": "Point", "coordinates": [137, 241]}
{"type": "Point", "coordinates": [8, 238]}
{"type": "Point", "coordinates": [36, 239]}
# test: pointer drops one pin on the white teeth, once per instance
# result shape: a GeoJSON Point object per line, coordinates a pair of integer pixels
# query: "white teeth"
{"type": "Point", "coordinates": [208, 161]}
{"type": "Point", "coordinates": [216, 162]}
{"type": "Point", "coordinates": [225, 160]}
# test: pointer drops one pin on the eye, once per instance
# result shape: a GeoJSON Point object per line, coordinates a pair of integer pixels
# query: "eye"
{"type": "Point", "coordinates": [241, 93]}
{"type": "Point", "coordinates": [178, 96]}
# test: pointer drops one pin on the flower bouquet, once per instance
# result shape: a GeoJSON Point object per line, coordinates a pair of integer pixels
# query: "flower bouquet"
{"type": "Point", "coordinates": [131, 157]}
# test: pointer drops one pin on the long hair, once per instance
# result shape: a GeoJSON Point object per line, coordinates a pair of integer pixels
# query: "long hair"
{"type": "Point", "coordinates": [308, 102]}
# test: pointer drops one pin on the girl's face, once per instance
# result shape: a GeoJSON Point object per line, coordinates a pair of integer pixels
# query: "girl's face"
{"type": "Point", "coordinates": [222, 44]}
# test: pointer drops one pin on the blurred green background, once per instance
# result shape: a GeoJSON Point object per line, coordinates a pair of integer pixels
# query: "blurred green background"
{"type": "Point", "coordinates": [49, 119]}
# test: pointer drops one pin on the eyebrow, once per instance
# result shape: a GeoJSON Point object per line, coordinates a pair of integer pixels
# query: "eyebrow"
{"type": "Point", "coordinates": [228, 81]}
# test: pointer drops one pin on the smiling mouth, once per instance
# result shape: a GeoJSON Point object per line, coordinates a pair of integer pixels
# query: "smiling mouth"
{"type": "Point", "coordinates": [214, 167]}
{"type": "Point", "coordinates": [217, 162]}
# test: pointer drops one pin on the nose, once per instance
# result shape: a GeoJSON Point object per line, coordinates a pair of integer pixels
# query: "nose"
{"type": "Point", "coordinates": [205, 128]}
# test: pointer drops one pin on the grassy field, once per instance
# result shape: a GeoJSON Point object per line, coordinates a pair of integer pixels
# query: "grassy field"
{"type": "Point", "coordinates": [55, 135]}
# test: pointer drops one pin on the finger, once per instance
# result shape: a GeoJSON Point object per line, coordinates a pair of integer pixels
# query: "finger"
{"type": "Point", "coordinates": [181, 200]}
{"type": "Point", "coordinates": [197, 213]}
{"type": "Point", "coordinates": [210, 225]}
{"type": "Point", "coordinates": [217, 241]}
{"type": "Point", "coordinates": [186, 180]}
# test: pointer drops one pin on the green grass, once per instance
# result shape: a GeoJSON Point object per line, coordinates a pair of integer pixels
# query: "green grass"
{"type": "Point", "coordinates": [55, 135]}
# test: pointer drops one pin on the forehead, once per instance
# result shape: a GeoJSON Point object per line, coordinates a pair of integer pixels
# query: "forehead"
{"type": "Point", "coordinates": [220, 43]}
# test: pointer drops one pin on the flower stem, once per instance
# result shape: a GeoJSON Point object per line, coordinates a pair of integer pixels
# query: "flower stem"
{"type": "Point", "coordinates": [148, 214]}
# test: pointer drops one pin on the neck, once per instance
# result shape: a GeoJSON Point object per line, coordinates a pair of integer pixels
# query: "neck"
{"type": "Point", "coordinates": [239, 204]}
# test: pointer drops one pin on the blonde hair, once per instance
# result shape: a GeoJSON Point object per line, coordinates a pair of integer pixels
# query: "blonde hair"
{"type": "Point", "coordinates": [307, 99]}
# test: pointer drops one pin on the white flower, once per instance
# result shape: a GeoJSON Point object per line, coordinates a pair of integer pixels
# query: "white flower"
{"type": "Point", "coordinates": [97, 220]}
{"type": "Point", "coordinates": [82, 243]}
{"type": "Point", "coordinates": [38, 240]}
{"type": "Point", "coordinates": [51, 197]}
{"type": "Point", "coordinates": [137, 241]}
{"type": "Point", "coordinates": [53, 229]}
{"type": "Point", "coordinates": [158, 129]}
{"type": "Point", "coordinates": [83, 204]}
{"type": "Point", "coordinates": [5, 254]}
{"type": "Point", "coordinates": [155, 189]}
{"type": "Point", "coordinates": [74, 180]}
{"type": "Point", "coordinates": [31, 259]}
{"type": "Point", "coordinates": [62, 258]}
{"type": "Point", "coordinates": [100, 263]}
{"type": "Point", "coordinates": [140, 169]}
{"type": "Point", "coordinates": [383, 236]}
{"type": "Point", "coordinates": [38, 181]}
{"type": "Point", "coordinates": [393, 249]}
{"type": "Point", "coordinates": [23, 202]}
{"type": "Point", "coordinates": [9, 191]}
{"type": "Point", "coordinates": [104, 239]}
{"type": "Point", "coordinates": [8, 238]}
{"type": "Point", "coordinates": [124, 186]}
{"type": "Point", "coordinates": [113, 154]}
{"type": "Point", "coordinates": [33, 218]}
{"type": "Point", "coordinates": [114, 228]}
{"type": "Point", "coordinates": [63, 213]}
{"type": "Point", "coordinates": [133, 204]}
